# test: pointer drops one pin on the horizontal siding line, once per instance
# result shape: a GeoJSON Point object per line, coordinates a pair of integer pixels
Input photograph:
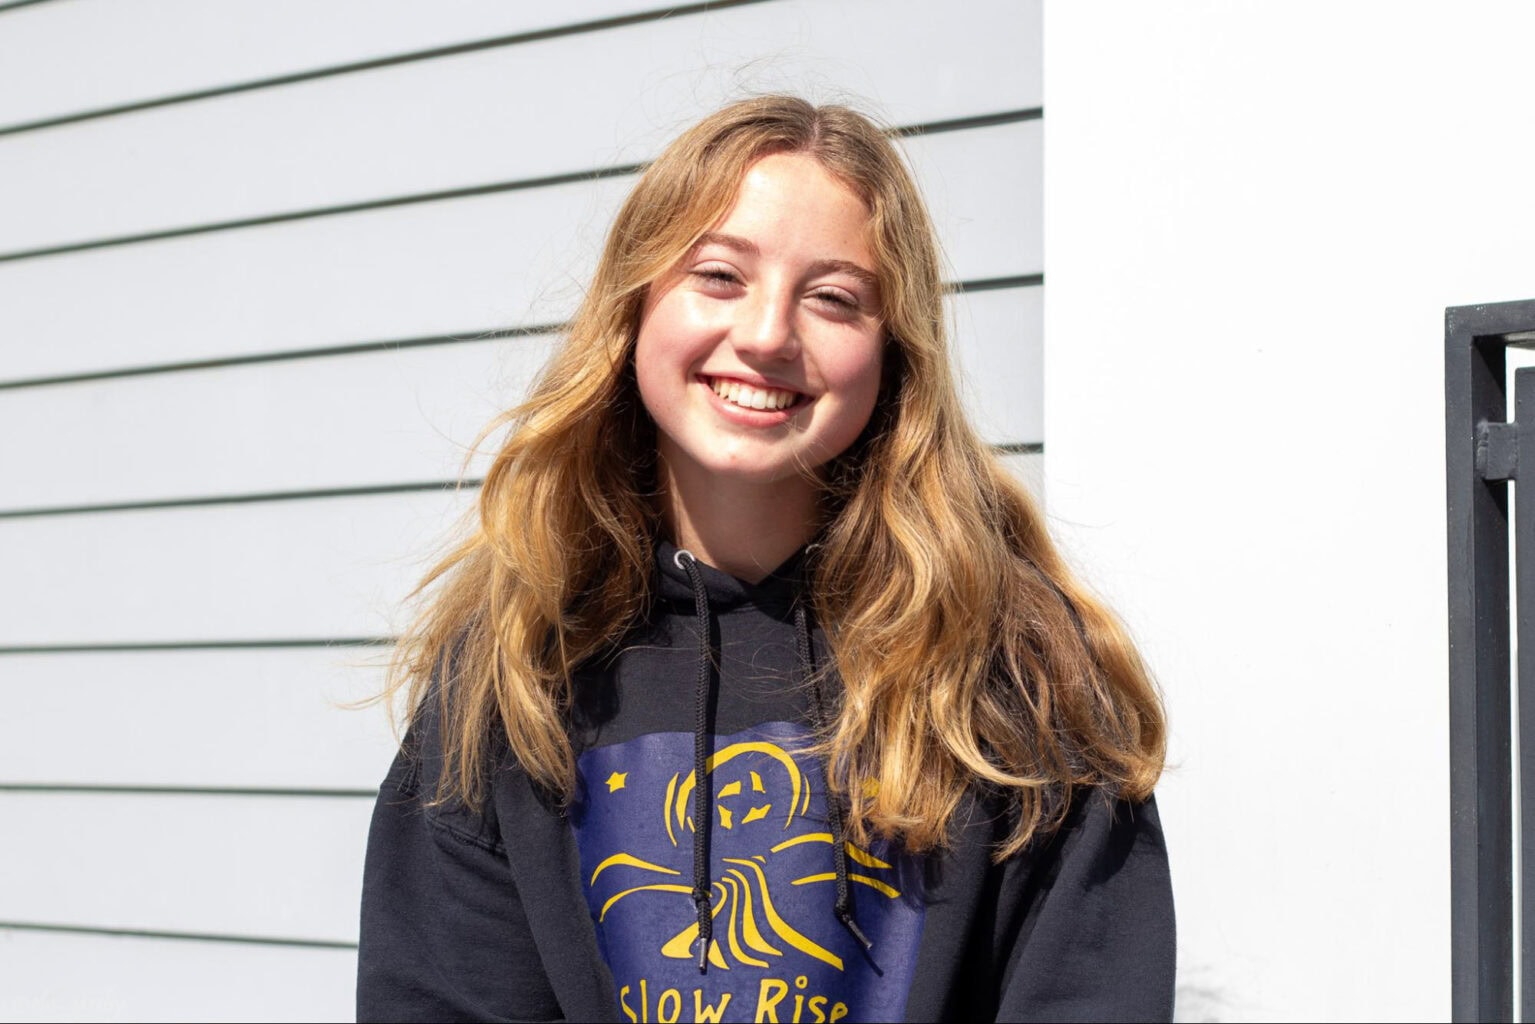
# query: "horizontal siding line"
{"type": "Point", "coordinates": [286, 355]}
{"type": "Point", "coordinates": [110, 790]}
{"type": "Point", "coordinates": [368, 490]}
{"type": "Point", "coordinates": [367, 347]}
{"type": "Point", "coordinates": [993, 284]}
{"type": "Point", "coordinates": [515, 185]}
{"type": "Point", "coordinates": [409, 57]}
{"type": "Point", "coordinates": [197, 645]}
{"type": "Point", "coordinates": [959, 124]}
{"type": "Point", "coordinates": [147, 933]}
{"type": "Point", "coordinates": [15, 4]}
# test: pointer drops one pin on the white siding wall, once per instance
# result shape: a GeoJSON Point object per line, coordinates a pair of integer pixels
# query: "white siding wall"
{"type": "Point", "coordinates": [266, 268]}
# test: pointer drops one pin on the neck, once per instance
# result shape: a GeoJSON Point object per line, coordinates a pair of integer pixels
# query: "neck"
{"type": "Point", "coordinates": [742, 528]}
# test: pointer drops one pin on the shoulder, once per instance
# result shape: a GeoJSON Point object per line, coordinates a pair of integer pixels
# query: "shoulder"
{"type": "Point", "coordinates": [1108, 833]}
{"type": "Point", "coordinates": [418, 785]}
{"type": "Point", "coordinates": [1095, 932]}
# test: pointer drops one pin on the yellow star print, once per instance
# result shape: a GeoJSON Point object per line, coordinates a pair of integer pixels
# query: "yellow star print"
{"type": "Point", "coordinates": [616, 781]}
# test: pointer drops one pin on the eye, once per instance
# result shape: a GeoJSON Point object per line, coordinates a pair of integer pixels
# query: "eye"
{"type": "Point", "coordinates": [715, 277]}
{"type": "Point", "coordinates": [836, 299]}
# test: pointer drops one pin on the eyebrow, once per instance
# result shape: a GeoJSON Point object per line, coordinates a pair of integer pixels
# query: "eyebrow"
{"type": "Point", "coordinates": [749, 248]}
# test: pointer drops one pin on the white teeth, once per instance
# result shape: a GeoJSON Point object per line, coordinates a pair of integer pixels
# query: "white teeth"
{"type": "Point", "coordinates": [752, 398]}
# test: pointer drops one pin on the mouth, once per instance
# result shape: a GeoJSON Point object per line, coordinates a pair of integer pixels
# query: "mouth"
{"type": "Point", "coordinates": [748, 396]}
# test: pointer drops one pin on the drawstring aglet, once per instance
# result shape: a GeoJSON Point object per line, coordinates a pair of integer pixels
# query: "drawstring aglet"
{"type": "Point", "coordinates": [702, 899]}
{"type": "Point", "coordinates": [852, 926]}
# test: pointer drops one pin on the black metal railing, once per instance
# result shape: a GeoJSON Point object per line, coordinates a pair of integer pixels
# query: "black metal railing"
{"type": "Point", "coordinates": [1484, 451]}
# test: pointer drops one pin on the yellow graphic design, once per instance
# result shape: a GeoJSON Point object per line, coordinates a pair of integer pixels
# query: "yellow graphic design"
{"type": "Point", "coordinates": [627, 860]}
{"type": "Point", "coordinates": [863, 857]}
{"type": "Point", "coordinates": [616, 781]}
{"type": "Point", "coordinates": [748, 927]}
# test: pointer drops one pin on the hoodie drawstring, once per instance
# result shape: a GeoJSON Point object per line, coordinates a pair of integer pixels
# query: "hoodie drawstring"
{"type": "Point", "coordinates": [703, 788]}
{"type": "Point", "coordinates": [844, 907]}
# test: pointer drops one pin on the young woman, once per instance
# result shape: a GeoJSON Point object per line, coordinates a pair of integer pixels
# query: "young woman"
{"type": "Point", "coordinates": [759, 691]}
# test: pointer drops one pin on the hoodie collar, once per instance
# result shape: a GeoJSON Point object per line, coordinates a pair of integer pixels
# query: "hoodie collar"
{"type": "Point", "coordinates": [774, 595]}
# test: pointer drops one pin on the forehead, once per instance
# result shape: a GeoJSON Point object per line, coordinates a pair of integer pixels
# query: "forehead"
{"type": "Point", "coordinates": [790, 203]}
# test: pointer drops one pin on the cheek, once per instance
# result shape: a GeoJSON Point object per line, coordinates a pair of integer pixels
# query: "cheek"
{"type": "Point", "coordinates": [646, 374]}
{"type": "Point", "coordinates": [859, 375]}
{"type": "Point", "coordinates": [658, 361]}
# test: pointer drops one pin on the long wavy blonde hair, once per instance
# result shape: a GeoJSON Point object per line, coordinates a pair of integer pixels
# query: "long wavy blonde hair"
{"type": "Point", "coordinates": [967, 652]}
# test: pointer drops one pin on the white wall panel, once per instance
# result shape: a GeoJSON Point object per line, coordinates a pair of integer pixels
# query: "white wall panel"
{"type": "Point", "coordinates": [354, 420]}
{"type": "Point", "coordinates": [1254, 471]}
{"type": "Point", "coordinates": [279, 867]}
{"type": "Point", "coordinates": [64, 58]}
{"type": "Point", "coordinates": [56, 977]}
{"type": "Point", "coordinates": [450, 267]}
{"type": "Point", "coordinates": [985, 188]}
{"type": "Point", "coordinates": [454, 266]}
{"type": "Point", "coordinates": [375, 418]}
{"type": "Point", "coordinates": [274, 570]}
{"type": "Point", "coordinates": [1000, 356]}
{"type": "Point", "coordinates": [261, 719]}
{"type": "Point", "coordinates": [556, 106]}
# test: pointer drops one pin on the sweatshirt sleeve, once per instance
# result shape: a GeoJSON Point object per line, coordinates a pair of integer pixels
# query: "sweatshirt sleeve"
{"type": "Point", "coordinates": [1095, 941]}
{"type": "Point", "coordinates": [444, 934]}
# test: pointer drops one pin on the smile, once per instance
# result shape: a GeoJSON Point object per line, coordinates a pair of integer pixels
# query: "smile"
{"type": "Point", "coordinates": [748, 397]}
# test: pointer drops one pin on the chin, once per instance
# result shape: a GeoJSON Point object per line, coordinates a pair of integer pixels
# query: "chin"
{"type": "Point", "coordinates": [763, 474]}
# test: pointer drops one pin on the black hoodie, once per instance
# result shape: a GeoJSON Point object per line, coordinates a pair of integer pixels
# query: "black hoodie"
{"type": "Point", "coordinates": [524, 911]}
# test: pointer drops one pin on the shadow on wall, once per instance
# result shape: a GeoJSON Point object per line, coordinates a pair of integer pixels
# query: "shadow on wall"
{"type": "Point", "coordinates": [1198, 1001]}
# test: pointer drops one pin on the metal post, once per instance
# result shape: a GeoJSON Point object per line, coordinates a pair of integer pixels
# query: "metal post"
{"type": "Point", "coordinates": [1524, 588]}
{"type": "Point", "coordinates": [1481, 457]}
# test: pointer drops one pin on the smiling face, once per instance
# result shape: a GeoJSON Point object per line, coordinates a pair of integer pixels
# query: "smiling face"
{"type": "Point", "coordinates": [759, 355]}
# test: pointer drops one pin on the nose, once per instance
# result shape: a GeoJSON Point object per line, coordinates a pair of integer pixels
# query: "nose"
{"type": "Point", "coordinates": [765, 328]}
